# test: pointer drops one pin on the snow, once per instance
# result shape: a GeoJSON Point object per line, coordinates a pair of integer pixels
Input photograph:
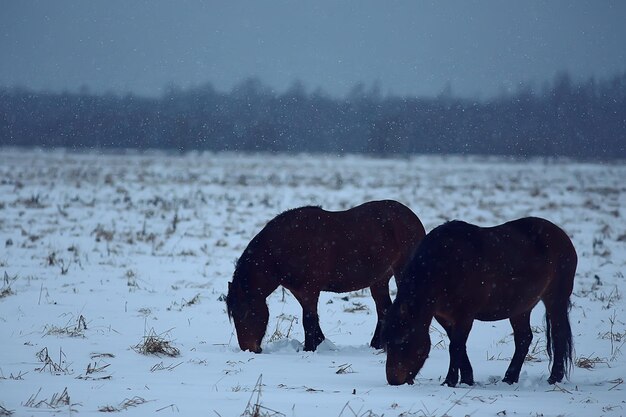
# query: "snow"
{"type": "Point", "coordinates": [140, 244]}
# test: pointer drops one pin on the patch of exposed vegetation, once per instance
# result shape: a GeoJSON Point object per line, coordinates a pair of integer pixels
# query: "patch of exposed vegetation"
{"type": "Point", "coordinates": [72, 328]}
{"type": "Point", "coordinates": [124, 405]}
{"type": "Point", "coordinates": [6, 289]}
{"type": "Point", "coordinates": [156, 344]}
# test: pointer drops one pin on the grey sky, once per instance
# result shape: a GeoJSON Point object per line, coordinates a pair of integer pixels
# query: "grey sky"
{"type": "Point", "coordinates": [410, 47]}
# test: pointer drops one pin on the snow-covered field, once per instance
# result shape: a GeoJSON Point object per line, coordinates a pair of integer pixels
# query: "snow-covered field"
{"type": "Point", "coordinates": [101, 251]}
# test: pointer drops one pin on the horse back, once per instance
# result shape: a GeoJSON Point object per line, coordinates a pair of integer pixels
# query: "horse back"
{"type": "Point", "coordinates": [493, 272]}
{"type": "Point", "coordinates": [339, 250]}
{"type": "Point", "coordinates": [540, 237]}
{"type": "Point", "coordinates": [551, 245]}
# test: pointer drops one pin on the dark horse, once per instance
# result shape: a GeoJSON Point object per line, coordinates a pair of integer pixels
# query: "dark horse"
{"type": "Point", "coordinates": [308, 250]}
{"type": "Point", "coordinates": [462, 272]}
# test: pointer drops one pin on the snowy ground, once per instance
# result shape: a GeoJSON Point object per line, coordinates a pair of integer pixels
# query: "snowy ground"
{"type": "Point", "coordinates": [99, 251]}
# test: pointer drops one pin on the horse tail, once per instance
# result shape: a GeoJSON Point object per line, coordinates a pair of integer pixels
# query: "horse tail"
{"type": "Point", "coordinates": [560, 350]}
{"type": "Point", "coordinates": [559, 339]}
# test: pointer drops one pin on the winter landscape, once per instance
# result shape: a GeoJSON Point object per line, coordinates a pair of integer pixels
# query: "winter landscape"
{"type": "Point", "coordinates": [108, 257]}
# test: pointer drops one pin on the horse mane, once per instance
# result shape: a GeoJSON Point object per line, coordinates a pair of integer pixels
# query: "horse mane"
{"type": "Point", "coordinates": [291, 211]}
{"type": "Point", "coordinates": [230, 301]}
{"type": "Point", "coordinates": [231, 297]}
{"type": "Point", "coordinates": [416, 277]}
{"type": "Point", "coordinates": [239, 281]}
{"type": "Point", "coordinates": [454, 224]}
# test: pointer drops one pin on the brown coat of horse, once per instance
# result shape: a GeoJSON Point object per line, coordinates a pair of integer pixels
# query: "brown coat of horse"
{"type": "Point", "coordinates": [308, 250]}
{"type": "Point", "coordinates": [463, 272]}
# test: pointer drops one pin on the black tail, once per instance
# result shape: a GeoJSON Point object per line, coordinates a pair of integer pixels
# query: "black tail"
{"type": "Point", "coordinates": [558, 330]}
{"type": "Point", "coordinates": [565, 333]}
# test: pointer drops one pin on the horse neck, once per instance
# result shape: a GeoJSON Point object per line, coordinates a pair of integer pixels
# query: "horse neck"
{"type": "Point", "coordinates": [420, 294]}
{"type": "Point", "coordinates": [423, 311]}
{"type": "Point", "coordinates": [251, 283]}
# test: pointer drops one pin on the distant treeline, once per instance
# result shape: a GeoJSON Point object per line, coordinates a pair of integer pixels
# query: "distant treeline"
{"type": "Point", "coordinates": [575, 119]}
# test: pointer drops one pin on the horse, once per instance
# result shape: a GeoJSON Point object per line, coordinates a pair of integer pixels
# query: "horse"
{"type": "Point", "coordinates": [461, 273]}
{"type": "Point", "coordinates": [308, 250]}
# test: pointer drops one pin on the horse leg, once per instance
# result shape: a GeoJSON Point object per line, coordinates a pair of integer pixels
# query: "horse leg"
{"type": "Point", "coordinates": [459, 361]}
{"type": "Point", "coordinates": [313, 335]}
{"type": "Point", "coordinates": [523, 336]}
{"type": "Point", "coordinates": [467, 373]}
{"type": "Point", "coordinates": [453, 369]}
{"type": "Point", "coordinates": [380, 294]}
{"type": "Point", "coordinates": [559, 335]}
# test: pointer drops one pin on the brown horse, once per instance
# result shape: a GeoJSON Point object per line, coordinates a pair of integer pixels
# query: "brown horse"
{"type": "Point", "coordinates": [308, 250]}
{"type": "Point", "coordinates": [462, 272]}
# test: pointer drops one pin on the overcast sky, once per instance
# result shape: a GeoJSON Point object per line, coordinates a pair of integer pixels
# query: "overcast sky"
{"type": "Point", "coordinates": [410, 47]}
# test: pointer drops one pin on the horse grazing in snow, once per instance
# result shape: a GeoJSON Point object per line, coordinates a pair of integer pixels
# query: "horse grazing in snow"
{"type": "Point", "coordinates": [308, 250]}
{"type": "Point", "coordinates": [461, 273]}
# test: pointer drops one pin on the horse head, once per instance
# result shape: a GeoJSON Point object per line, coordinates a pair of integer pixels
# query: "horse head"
{"type": "Point", "coordinates": [250, 315]}
{"type": "Point", "coordinates": [407, 343]}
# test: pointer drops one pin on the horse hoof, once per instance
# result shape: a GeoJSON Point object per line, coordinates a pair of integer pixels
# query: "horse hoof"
{"type": "Point", "coordinates": [470, 382]}
{"type": "Point", "coordinates": [449, 383]}
{"type": "Point", "coordinates": [553, 380]}
{"type": "Point", "coordinates": [510, 378]}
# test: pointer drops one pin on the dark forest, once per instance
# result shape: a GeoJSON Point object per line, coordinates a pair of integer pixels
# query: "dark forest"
{"type": "Point", "coordinates": [583, 120]}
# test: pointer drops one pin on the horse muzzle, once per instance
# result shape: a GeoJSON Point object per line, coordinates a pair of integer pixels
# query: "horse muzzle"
{"type": "Point", "coordinates": [250, 346]}
{"type": "Point", "coordinates": [399, 376]}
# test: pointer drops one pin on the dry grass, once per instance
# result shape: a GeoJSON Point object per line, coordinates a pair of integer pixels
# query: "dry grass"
{"type": "Point", "coordinates": [156, 344]}
{"type": "Point", "coordinates": [33, 202]}
{"type": "Point", "coordinates": [589, 362]}
{"type": "Point", "coordinates": [254, 407]}
{"type": "Point", "coordinates": [617, 339]}
{"type": "Point", "coordinates": [160, 367]}
{"type": "Point", "coordinates": [71, 329]}
{"type": "Point", "coordinates": [616, 383]}
{"type": "Point", "coordinates": [102, 234]}
{"type": "Point", "coordinates": [6, 289]}
{"type": "Point", "coordinates": [53, 260]}
{"type": "Point", "coordinates": [96, 367]}
{"type": "Point", "coordinates": [5, 292]}
{"type": "Point", "coordinates": [356, 306]}
{"type": "Point", "coordinates": [280, 332]}
{"type": "Point", "coordinates": [345, 368]}
{"type": "Point", "coordinates": [6, 411]}
{"type": "Point", "coordinates": [609, 300]}
{"type": "Point", "coordinates": [58, 368]}
{"type": "Point", "coordinates": [172, 407]}
{"type": "Point", "coordinates": [18, 377]}
{"type": "Point", "coordinates": [537, 351]}
{"type": "Point", "coordinates": [101, 355]}
{"type": "Point", "coordinates": [184, 303]}
{"type": "Point", "coordinates": [349, 412]}
{"type": "Point", "coordinates": [441, 344]}
{"type": "Point", "coordinates": [57, 400]}
{"type": "Point", "coordinates": [124, 405]}
{"type": "Point", "coordinates": [193, 301]}
{"type": "Point", "coordinates": [131, 280]}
